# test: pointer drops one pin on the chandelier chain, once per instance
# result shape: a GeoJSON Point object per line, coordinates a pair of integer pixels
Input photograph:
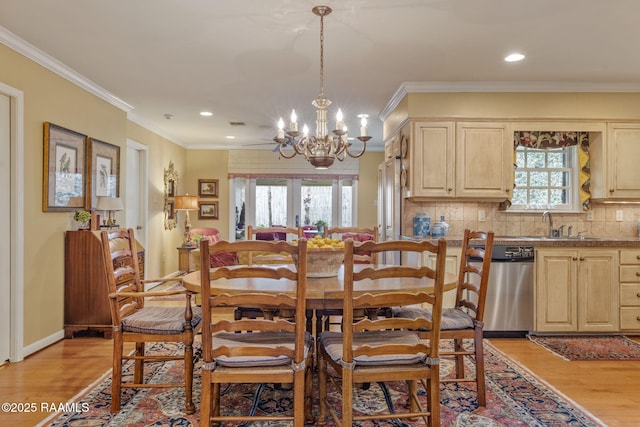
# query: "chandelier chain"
{"type": "Point", "coordinates": [321, 56]}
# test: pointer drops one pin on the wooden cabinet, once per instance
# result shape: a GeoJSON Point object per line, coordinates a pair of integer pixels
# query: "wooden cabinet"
{"type": "Point", "coordinates": [630, 289]}
{"type": "Point", "coordinates": [576, 290]}
{"type": "Point", "coordinates": [622, 153]}
{"type": "Point", "coordinates": [484, 160]}
{"type": "Point", "coordinates": [185, 260]}
{"type": "Point", "coordinates": [463, 160]}
{"type": "Point", "coordinates": [86, 305]}
{"type": "Point", "coordinates": [452, 265]}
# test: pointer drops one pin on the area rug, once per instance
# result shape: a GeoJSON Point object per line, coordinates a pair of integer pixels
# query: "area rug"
{"type": "Point", "coordinates": [515, 397]}
{"type": "Point", "coordinates": [590, 347]}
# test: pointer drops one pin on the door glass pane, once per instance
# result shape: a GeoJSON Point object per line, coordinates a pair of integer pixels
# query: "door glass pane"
{"type": "Point", "coordinates": [240, 189]}
{"type": "Point", "coordinates": [347, 203]}
{"type": "Point", "coordinates": [271, 202]}
{"type": "Point", "coordinates": [317, 201]}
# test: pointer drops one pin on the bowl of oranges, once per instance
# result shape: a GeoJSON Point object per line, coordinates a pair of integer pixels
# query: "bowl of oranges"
{"type": "Point", "coordinates": [324, 256]}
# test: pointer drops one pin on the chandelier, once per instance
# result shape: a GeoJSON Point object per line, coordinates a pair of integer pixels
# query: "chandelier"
{"type": "Point", "coordinates": [322, 149]}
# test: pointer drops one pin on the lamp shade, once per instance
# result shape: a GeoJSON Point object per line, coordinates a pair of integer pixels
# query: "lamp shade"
{"type": "Point", "coordinates": [186, 202]}
{"type": "Point", "coordinates": [109, 204]}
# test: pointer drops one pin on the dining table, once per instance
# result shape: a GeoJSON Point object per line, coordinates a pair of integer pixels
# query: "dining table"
{"type": "Point", "coordinates": [322, 292]}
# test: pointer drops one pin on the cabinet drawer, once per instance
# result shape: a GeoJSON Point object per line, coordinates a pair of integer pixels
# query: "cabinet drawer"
{"type": "Point", "coordinates": [630, 294]}
{"type": "Point", "coordinates": [630, 318]}
{"type": "Point", "coordinates": [630, 257]}
{"type": "Point", "coordinates": [630, 273]}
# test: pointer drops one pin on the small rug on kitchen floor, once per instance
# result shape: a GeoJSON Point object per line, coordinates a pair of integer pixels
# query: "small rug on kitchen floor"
{"type": "Point", "coordinates": [590, 347]}
{"type": "Point", "coordinates": [515, 397]}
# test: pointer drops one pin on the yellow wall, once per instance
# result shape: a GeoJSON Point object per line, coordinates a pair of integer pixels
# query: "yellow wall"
{"type": "Point", "coordinates": [207, 164]}
{"type": "Point", "coordinates": [50, 98]}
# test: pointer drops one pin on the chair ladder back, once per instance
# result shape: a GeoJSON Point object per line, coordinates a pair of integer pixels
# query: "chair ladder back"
{"type": "Point", "coordinates": [344, 233]}
{"type": "Point", "coordinates": [473, 276]}
{"type": "Point", "coordinates": [123, 273]}
{"type": "Point", "coordinates": [367, 301]}
{"type": "Point", "coordinates": [294, 302]}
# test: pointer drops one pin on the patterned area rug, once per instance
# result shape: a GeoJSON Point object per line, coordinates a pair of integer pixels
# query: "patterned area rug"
{"type": "Point", "coordinates": [590, 347]}
{"type": "Point", "coordinates": [515, 397]}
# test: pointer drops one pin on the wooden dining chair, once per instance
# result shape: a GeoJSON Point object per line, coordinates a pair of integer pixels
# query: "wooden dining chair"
{"type": "Point", "coordinates": [134, 322]}
{"type": "Point", "coordinates": [328, 317]}
{"type": "Point", "coordinates": [274, 233]}
{"type": "Point", "coordinates": [465, 320]}
{"type": "Point", "coordinates": [259, 350]}
{"type": "Point", "coordinates": [384, 349]}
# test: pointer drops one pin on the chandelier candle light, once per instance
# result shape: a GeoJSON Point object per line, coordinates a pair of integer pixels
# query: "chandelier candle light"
{"type": "Point", "coordinates": [322, 149]}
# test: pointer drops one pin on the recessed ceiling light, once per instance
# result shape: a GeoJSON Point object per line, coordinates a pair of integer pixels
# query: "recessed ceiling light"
{"type": "Point", "coordinates": [230, 137]}
{"type": "Point", "coordinates": [514, 57]}
{"type": "Point", "coordinates": [206, 113]}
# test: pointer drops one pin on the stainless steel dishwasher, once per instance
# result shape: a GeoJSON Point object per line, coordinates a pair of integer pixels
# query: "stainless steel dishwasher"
{"type": "Point", "coordinates": [509, 305]}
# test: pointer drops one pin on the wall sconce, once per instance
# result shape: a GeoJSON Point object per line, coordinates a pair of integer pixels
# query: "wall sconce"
{"type": "Point", "coordinates": [110, 205]}
{"type": "Point", "coordinates": [186, 203]}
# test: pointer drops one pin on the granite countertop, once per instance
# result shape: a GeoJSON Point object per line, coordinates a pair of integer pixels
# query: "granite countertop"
{"type": "Point", "coordinates": [540, 241]}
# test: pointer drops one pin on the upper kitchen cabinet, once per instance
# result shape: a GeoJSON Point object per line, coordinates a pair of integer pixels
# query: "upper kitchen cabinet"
{"type": "Point", "coordinates": [615, 171]}
{"type": "Point", "coordinates": [431, 160]}
{"type": "Point", "coordinates": [463, 160]}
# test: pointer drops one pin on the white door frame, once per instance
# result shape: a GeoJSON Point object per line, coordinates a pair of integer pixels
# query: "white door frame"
{"type": "Point", "coordinates": [16, 353]}
{"type": "Point", "coordinates": [143, 190]}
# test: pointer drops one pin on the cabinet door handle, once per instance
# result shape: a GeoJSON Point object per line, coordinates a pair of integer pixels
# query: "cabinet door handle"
{"type": "Point", "coordinates": [581, 258]}
{"type": "Point", "coordinates": [637, 273]}
{"type": "Point", "coordinates": [574, 258]}
{"type": "Point", "coordinates": [638, 294]}
{"type": "Point", "coordinates": [637, 256]}
{"type": "Point", "coordinates": [449, 189]}
{"type": "Point", "coordinates": [611, 190]}
{"type": "Point", "coordinates": [638, 319]}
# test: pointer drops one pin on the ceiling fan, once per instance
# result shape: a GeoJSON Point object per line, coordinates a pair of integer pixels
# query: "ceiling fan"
{"type": "Point", "coordinates": [272, 142]}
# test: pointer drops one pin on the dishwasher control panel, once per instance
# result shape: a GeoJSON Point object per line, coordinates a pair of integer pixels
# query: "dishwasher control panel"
{"type": "Point", "coordinates": [512, 252]}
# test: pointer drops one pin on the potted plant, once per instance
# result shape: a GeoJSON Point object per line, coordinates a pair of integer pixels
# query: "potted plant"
{"type": "Point", "coordinates": [82, 218]}
{"type": "Point", "coordinates": [321, 225]}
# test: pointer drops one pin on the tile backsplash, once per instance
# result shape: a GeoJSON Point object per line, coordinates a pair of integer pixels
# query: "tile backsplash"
{"type": "Point", "coordinates": [461, 215]}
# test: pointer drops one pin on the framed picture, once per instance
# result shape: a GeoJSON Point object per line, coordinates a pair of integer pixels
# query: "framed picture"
{"type": "Point", "coordinates": [208, 187]}
{"type": "Point", "coordinates": [104, 179]}
{"type": "Point", "coordinates": [65, 170]}
{"type": "Point", "coordinates": [208, 210]}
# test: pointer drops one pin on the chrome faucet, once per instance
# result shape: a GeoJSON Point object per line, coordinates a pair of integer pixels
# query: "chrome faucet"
{"type": "Point", "coordinates": [546, 214]}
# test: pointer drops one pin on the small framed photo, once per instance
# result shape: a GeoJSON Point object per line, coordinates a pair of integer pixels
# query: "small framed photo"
{"type": "Point", "coordinates": [208, 210]}
{"type": "Point", "coordinates": [208, 187]}
{"type": "Point", "coordinates": [104, 179]}
{"type": "Point", "coordinates": [65, 171]}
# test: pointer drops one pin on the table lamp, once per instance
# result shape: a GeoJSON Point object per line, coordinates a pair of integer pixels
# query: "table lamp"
{"type": "Point", "coordinates": [186, 203]}
{"type": "Point", "coordinates": [109, 204]}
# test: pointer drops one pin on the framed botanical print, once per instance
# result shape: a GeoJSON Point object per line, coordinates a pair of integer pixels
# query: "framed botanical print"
{"type": "Point", "coordinates": [208, 210]}
{"type": "Point", "coordinates": [65, 169]}
{"type": "Point", "coordinates": [104, 179]}
{"type": "Point", "coordinates": [208, 187]}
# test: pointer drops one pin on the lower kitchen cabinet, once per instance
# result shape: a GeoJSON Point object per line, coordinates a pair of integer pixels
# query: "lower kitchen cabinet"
{"type": "Point", "coordinates": [451, 266]}
{"type": "Point", "coordinates": [576, 290]}
{"type": "Point", "coordinates": [629, 290]}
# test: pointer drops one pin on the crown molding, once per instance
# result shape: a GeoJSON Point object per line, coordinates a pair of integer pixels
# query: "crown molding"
{"type": "Point", "coordinates": [28, 50]}
{"type": "Point", "coordinates": [453, 87]}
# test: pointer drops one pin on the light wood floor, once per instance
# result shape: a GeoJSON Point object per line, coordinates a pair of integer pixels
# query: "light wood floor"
{"type": "Point", "coordinates": [609, 390]}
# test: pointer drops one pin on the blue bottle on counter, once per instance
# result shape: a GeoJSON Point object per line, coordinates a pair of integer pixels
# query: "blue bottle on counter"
{"type": "Point", "coordinates": [440, 228]}
{"type": "Point", "coordinates": [421, 224]}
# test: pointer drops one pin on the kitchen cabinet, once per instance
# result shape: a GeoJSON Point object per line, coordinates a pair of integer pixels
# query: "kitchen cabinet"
{"type": "Point", "coordinates": [622, 173]}
{"type": "Point", "coordinates": [86, 305]}
{"type": "Point", "coordinates": [452, 265]}
{"type": "Point", "coordinates": [630, 290]}
{"type": "Point", "coordinates": [576, 290]}
{"type": "Point", "coordinates": [462, 160]}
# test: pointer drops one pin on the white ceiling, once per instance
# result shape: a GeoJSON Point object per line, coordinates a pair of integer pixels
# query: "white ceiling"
{"type": "Point", "coordinates": [252, 61]}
